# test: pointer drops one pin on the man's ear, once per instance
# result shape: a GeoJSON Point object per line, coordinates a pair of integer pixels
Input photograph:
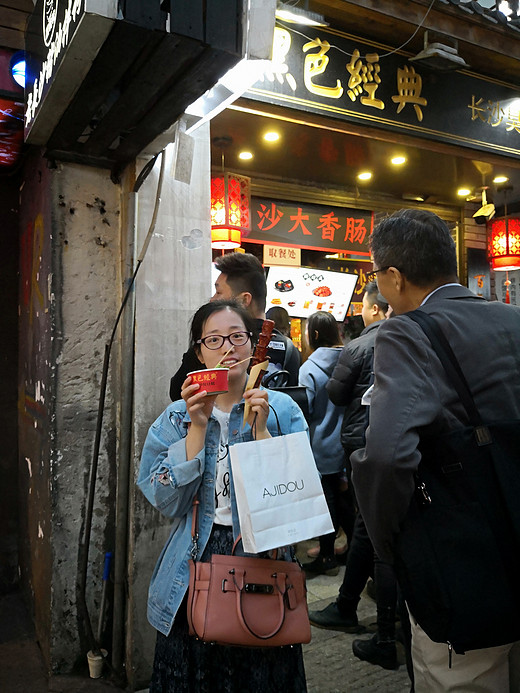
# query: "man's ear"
{"type": "Point", "coordinates": [245, 298]}
{"type": "Point", "coordinates": [398, 279]}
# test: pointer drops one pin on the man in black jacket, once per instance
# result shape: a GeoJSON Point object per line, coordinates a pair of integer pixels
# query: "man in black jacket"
{"type": "Point", "coordinates": [350, 380]}
{"type": "Point", "coordinates": [242, 278]}
{"type": "Point", "coordinates": [352, 375]}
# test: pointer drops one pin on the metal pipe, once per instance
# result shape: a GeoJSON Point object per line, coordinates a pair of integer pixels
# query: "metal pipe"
{"type": "Point", "coordinates": [125, 445]}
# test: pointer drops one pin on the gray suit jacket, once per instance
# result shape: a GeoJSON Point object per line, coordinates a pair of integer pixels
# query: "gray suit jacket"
{"type": "Point", "coordinates": [412, 394]}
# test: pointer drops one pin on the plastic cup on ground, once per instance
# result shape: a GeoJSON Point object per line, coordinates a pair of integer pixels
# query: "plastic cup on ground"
{"type": "Point", "coordinates": [95, 663]}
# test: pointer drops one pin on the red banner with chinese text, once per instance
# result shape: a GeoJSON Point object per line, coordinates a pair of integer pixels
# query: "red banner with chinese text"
{"type": "Point", "coordinates": [314, 227]}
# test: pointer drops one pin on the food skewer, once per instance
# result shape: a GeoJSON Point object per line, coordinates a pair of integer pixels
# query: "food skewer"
{"type": "Point", "coordinates": [259, 363]}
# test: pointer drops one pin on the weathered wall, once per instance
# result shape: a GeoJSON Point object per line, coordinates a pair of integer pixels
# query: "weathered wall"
{"type": "Point", "coordinates": [36, 393]}
{"type": "Point", "coordinates": [173, 282]}
{"type": "Point", "coordinates": [8, 383]}
{"type": "Point", "coordinates": [70, 297]}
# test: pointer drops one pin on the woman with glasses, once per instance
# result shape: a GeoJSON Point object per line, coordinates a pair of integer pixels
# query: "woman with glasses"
{"type": "Point", "coordinates": [186, 456]}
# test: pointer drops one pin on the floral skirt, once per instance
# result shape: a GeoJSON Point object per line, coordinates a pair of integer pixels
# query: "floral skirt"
{"type": "Point", "coordinates": [184, 664]}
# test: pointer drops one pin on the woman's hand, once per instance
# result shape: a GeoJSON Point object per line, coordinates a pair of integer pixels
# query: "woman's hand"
{"type": "Point", "coordinates": [259, 402]}
{"type": "Point", "coordinates": [199, 406]}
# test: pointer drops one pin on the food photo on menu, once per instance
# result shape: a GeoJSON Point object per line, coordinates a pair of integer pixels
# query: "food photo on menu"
{"type": "Point", "coordinates": [302, 291]}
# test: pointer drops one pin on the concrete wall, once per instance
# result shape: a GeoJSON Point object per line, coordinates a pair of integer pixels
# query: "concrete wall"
{"type": "Point", "coordinates": [70, 294]}
{"type": "Point", "coordinates": [173, 282]}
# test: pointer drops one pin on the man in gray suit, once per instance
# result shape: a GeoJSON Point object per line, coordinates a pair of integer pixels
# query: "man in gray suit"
{"type": "Point", "coordinates": [415, 265]}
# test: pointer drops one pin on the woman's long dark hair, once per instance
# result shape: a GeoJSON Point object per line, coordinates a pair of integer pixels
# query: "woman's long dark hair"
{"type": "Point", "coordinates": [323, 330]}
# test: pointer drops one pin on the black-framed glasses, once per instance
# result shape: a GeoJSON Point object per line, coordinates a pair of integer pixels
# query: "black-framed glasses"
{"type": "Point", "coordinates": [215, 341]}
{"type": "Point", "coordinates": [372, 276]}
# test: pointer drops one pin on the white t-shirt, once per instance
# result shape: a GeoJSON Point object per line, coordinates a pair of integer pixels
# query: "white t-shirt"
{"type": "Point", "coordinates": [222, 484]}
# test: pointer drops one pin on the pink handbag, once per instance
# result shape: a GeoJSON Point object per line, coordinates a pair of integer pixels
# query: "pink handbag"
{"type": "Point", "coordinates": [248, 602]}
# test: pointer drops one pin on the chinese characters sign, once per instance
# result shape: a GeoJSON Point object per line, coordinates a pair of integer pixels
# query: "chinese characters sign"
{"type": "Point", "coordinates": [315, 227]}
{"type": "Point", "coordinates": [51, 28]}
{"type": "Point", "coordinates": [278, 255]}
{"type": "Point", "coordinates": [327, 72]}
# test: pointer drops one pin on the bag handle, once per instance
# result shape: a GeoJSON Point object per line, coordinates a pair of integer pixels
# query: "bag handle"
{"type": "Point", "coordinates": [240, 589]}
{"type": "Point", "coordinates": [445, 353]}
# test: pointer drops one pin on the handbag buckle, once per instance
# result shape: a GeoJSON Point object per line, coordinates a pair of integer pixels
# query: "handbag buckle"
{"type": "Point", "coordinates": [257, 588]}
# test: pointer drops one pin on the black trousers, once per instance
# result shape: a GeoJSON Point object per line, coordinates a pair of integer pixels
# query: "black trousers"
{"type": "Point", "coordinates": [340, 502]}
{"type": "Point", "coordinates": [363, 563]}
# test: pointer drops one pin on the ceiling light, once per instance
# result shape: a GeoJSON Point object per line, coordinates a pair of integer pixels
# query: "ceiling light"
{"type": "Point", "coordinates": [230, 86]}
{"type": "Point", "coordinates": [364, 175]}
{"type": "Point", "coordinates": [398, 160]}
{"type": "Point", "coordinates": [413, 197]}
{"type": "Point", "coordinates": [298, 15]}
{"type": "Point", "coordinates": [271, 136]}
{"type": "Point", "coordinates": [500, 179]}
{"type": "Point", "coordinates": [463, 192]}
{"type": "Point", "coordinates": [245, 156]}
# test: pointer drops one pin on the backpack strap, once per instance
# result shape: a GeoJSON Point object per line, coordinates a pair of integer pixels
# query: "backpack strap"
{"type": "Point", "coordinates": [449, 361]}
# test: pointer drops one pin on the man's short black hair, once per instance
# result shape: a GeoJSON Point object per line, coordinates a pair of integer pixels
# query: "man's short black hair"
{"type": "Point", "coordinates": [418, 243]}
{"type": "Point", "coordinates": [244, 272]}
{"type": "Point", "coordinates": [372, 292]}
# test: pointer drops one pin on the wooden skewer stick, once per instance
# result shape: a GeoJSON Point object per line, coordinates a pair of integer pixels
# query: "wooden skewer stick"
{"type": "Point", "coordinates": [236, 364]}
{"type": "Point", "coordinates": [227, 352]}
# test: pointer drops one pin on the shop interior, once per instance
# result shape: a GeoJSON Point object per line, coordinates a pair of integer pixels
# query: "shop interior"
{"type": "Point", "coordinates": [308, 158]}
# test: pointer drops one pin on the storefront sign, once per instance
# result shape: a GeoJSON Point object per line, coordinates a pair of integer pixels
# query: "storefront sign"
{"type": "Point", "coordinates": [62, 40]}
{"type": "Point", "coordinates": [278, 255]}
{"type": "Point", "coordinates": [327, 72]}
{"type": "Point", "coordinates": [58, 22]}
{"type": "Point", "coordinates": [314, 227]}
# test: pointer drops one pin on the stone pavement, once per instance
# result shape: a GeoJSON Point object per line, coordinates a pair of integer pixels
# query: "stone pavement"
{"type": "Point", "coordinates": [330, 665]}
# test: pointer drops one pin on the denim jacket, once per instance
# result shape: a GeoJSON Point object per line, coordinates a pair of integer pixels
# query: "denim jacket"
{"type": "Point", "coordinates": [170, 482]}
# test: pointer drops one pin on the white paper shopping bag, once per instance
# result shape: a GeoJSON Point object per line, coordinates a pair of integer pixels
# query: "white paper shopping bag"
{"type": "Point", "coordinates": [278, 491]}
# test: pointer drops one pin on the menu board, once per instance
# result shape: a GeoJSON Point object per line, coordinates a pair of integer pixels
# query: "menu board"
{"type": "Point", "coordinates": [303, 291]}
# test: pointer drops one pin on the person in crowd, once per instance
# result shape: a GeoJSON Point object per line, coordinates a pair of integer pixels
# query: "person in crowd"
{"type": "Point", "coordinates": [347, 386]}
{"type": "Point", "coordinates": [325, 419]}
{"type": "Point", "coordinates": [352, 327]}
{"type": "Point", "coordinates": [186, 455]}
{"type": "Point", "coordinates": [415, 263]}
{"type": "Point", "coordinates": [242, 277]}
{"type": "Point", "coordinates": [281, 320]}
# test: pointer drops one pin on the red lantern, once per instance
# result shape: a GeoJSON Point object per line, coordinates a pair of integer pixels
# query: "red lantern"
{"type": "Point", "coordinates": [230, 209]}
{"type": "Point", "coordinates": [504, 244]}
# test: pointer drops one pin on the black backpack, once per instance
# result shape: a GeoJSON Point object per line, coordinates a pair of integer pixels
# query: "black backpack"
{"type": "Point", "coordinates": [457, 556]}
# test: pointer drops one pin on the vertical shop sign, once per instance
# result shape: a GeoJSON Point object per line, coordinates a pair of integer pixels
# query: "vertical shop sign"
{"type": "Point", "coordinates": [50, 31]}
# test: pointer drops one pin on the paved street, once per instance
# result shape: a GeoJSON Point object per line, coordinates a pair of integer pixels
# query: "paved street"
{"type": "Point", "coordinates": [329, 663]}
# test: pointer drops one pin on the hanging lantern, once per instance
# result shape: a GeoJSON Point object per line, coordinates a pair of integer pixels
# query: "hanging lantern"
{"type": "Point", "coordinates": [504, 244]}
{"type": "Point", "coordinates": [230, 209]}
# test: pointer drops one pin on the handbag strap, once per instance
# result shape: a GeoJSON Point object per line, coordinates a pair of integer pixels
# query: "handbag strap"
{"type": "Point", "coordinates": [449, 361]}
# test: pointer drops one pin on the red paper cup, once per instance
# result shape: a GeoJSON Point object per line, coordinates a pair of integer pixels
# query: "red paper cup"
{"type": "Point", "coordinates": [213, 380]}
